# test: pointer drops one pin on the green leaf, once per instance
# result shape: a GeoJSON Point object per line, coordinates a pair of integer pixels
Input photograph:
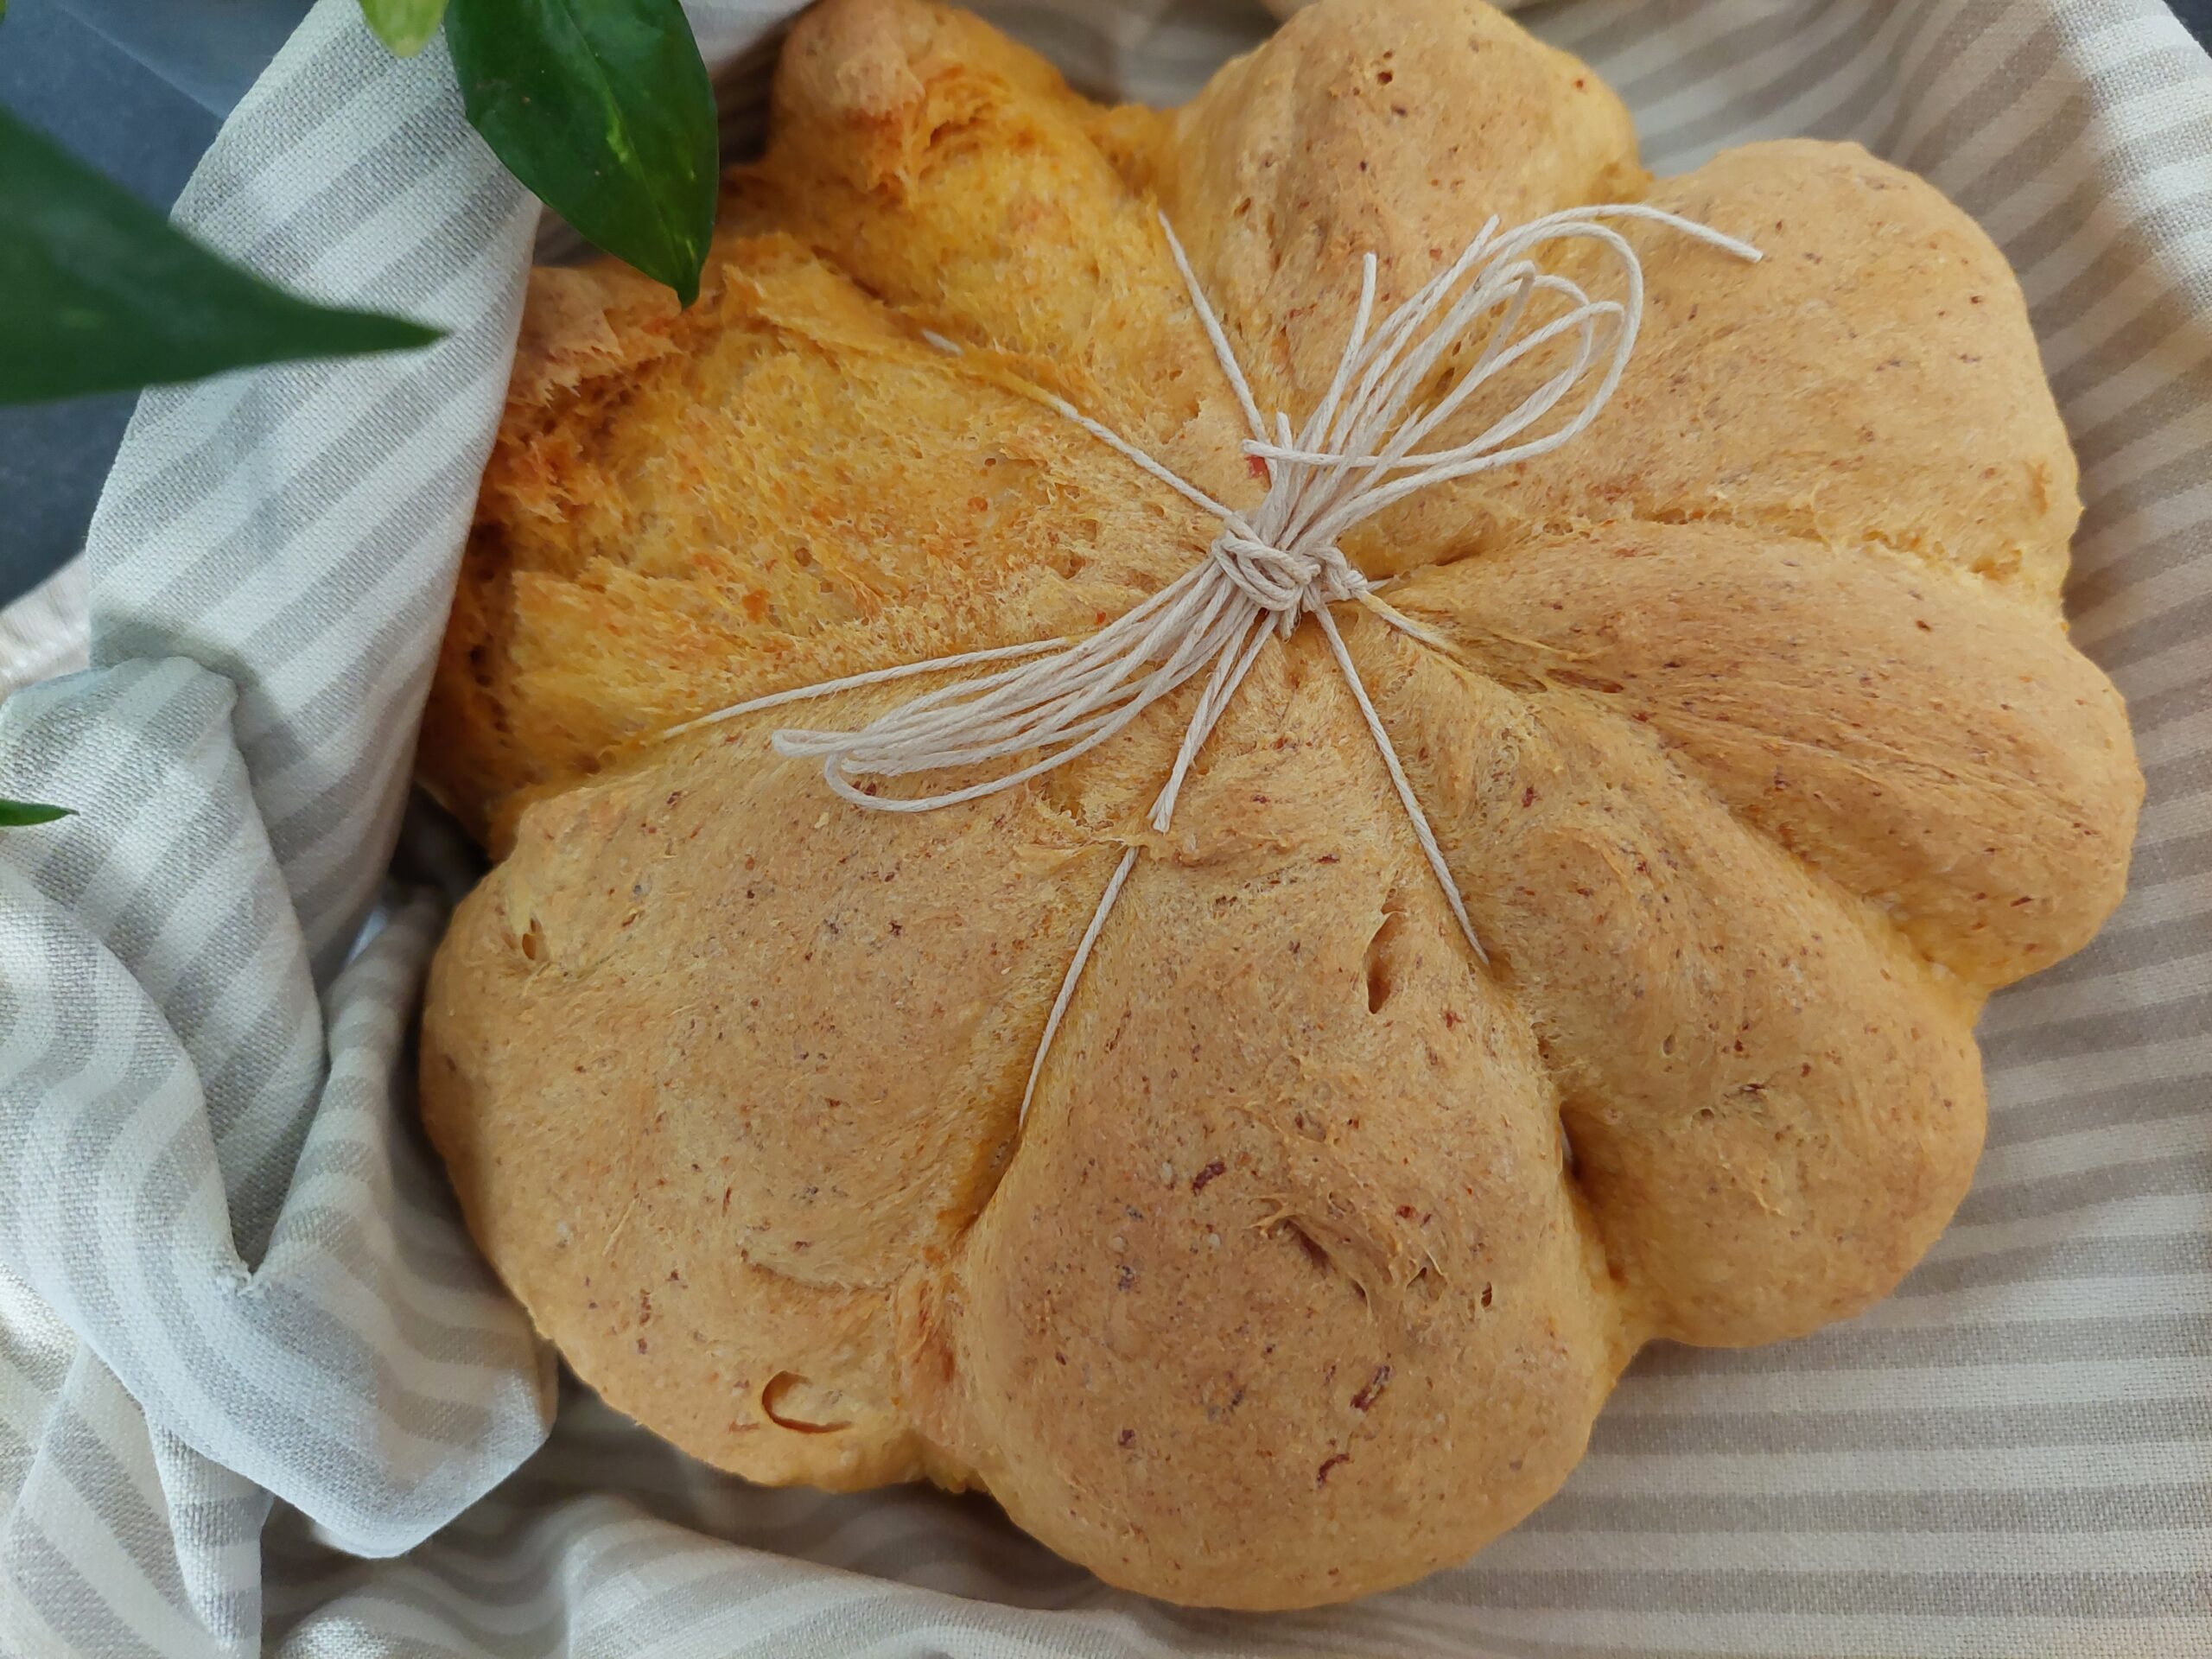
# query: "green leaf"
{"type": "Point", "coordinates": [603, 108]}
{"type": "Point", "coordinates": [16, 814]}
{"type": "Point", "coordinates": [405, 26]}
{"type": "Point", "coordinates": [99, 293]}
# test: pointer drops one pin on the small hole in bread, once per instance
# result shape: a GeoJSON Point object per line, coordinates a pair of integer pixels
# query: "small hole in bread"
{"type": "Point", "coordinates": [801, 1405]}
{"type": "Point", "coordinates": [1382, 969]}
{"type": "Point", "coordinates": [1307, 1242]}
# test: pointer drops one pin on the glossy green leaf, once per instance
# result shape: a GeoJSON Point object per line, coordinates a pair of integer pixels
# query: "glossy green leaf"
{"type": "Point", "coordinates": [99, 293]}
{"type": "Point", "coordinates": [17, 815]}
{"type": "Point", "coordinates": [603, 108]}
{"type": "Point", "coordinates": [405, 26]}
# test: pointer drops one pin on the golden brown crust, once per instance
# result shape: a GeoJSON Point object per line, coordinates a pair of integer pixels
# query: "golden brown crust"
{"type": "Point", "coordinates": [1774, 1105]}
{"type": "Point", "coordinates": [805, 488]}
{"type": "Point", "coordinates": [1754, 743]}
{"type": "Point", "coordinates": [1906, 731]}
{"type": "Point", "coordinates": [1288, 1235]}
{"type": "Point", "coordinates": [1873, 379]}
{"type": "Point", "coordinates": [1391, 127]}
{"type": "Point", "coordinates": [712, 1083]}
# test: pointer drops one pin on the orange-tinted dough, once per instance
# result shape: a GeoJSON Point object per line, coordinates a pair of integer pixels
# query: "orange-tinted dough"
{"type": "Point", "coordinates": [1758, 754]}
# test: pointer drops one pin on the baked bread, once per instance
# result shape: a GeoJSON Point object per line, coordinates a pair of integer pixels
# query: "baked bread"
{"type": "Point", "coordinates": [1758, 754]}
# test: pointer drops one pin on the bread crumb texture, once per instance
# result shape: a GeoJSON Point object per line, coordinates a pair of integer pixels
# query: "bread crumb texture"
{"type": "Point", "coordinates": [1758, 753]}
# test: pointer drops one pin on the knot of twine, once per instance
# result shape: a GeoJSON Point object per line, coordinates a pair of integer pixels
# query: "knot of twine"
{"type": "Point", "coordinates": [1283, 580]}
{"type": "Point", "coordinates": [1358, 453]}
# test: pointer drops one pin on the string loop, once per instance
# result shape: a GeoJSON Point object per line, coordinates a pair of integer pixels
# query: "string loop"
{"type": "Point", "coordinates": [1359, 452]}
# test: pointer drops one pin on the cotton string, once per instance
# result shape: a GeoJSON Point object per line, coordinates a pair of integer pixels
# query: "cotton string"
{"type": "Point", "coordinates": [1358, 453]}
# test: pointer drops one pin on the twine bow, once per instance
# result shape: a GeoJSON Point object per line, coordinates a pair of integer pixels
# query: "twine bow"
{"type": "Point", "coordinates": [1358, 453]}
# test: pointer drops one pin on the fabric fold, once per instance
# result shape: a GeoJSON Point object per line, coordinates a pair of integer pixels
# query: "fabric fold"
{"type": "Point", "coordinates": [205, 1167]}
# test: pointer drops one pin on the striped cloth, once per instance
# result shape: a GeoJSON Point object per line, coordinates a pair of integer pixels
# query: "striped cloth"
{"type": "Point", "coordinates": [254, 1384]}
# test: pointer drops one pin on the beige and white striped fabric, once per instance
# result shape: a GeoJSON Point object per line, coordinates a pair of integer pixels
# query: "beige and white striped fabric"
{"type": "Point", "coordinates": [225, 1273]}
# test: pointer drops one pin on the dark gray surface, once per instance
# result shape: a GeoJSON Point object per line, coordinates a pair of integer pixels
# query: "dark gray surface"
{"type": "Point", "coordinates": [137, 87]}
{"type": "Point", "coordinates": [209, 50]}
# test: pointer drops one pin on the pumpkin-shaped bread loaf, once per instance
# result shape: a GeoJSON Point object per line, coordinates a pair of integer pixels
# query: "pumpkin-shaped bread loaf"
{"type": "Point", "coordinates": [1747, 727]}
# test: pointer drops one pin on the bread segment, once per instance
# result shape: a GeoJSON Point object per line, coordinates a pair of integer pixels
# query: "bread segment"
{"type": "Point", "coordinates": [1287, 1293]}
